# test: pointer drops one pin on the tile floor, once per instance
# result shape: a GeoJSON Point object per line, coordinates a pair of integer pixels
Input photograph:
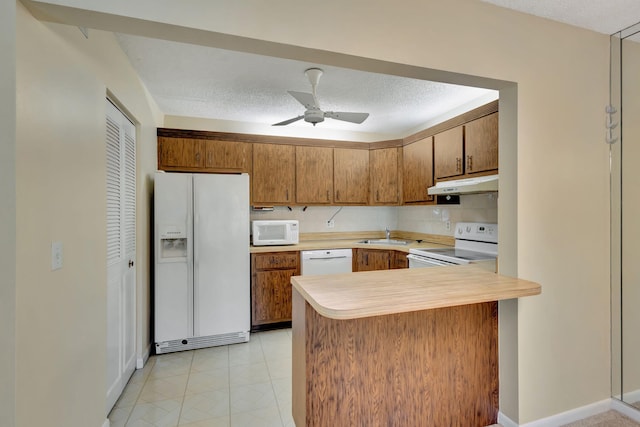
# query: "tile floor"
{"type": "Point", "coordinates": [234, 386]}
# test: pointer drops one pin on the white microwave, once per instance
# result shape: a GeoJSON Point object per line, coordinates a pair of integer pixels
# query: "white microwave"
{"type": "Point", "coordinates": [275, 232]}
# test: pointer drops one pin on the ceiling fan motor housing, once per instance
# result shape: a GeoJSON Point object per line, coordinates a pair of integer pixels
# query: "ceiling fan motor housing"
{"type": "Point", "coordinates": [314, 116]}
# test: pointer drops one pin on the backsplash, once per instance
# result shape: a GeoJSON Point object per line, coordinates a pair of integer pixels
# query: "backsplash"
{"type": "Point", "coordinates": [433, 219]}
{"type": "Point", "coordinates": [420, 219]}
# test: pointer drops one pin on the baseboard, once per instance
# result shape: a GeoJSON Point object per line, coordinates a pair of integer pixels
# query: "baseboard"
{"type": "Point", "coordinates": [563, 417]}
{"type": "Point", "coordinates": [505, 421]}
{"type": "Point", "coordinates": [106, 423]}
{"type": "Point", "coordinates": [140, 361]}
{"type": "Point", "coordinates": [625, 409]}
{"type": "Point", "coordinates": [630, 396]}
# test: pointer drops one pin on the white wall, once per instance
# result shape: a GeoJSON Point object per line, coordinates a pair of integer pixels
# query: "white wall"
{"type": "Point", "coordinates": [62, 82]}
{"type": "Point", "coordinates": [7, 212]}
{"type": "Point", "coordinates": [420, 219]}
{"type": "Point", "coordinates": [433, 219]}
{"type": "Point", "coordinates": [350, 218]}
{"type": "Point", "coordinates": [554, 182]}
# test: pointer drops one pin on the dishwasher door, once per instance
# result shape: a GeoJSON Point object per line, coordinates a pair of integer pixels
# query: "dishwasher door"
{"type": "Point", "coordinates": [326, 261]}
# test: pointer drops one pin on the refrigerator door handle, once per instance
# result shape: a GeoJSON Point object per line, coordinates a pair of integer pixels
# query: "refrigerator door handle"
{"type": "Point", "coordinates": [196, 267]}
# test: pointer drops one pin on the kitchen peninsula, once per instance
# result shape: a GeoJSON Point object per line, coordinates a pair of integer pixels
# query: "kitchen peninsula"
{"type": "Point", "coordinates": [399, 347]}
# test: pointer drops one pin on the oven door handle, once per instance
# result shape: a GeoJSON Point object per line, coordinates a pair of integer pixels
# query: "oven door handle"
{"type": "Point", "coordinates": [426, 260]}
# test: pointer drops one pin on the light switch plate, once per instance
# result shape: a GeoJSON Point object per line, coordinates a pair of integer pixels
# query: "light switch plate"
{"type": "Point", "coordinates": [56, 255]}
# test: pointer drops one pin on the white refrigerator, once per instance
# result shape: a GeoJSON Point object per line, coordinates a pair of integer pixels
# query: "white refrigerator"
{"type": "Point", "coordinates": [201, 292]}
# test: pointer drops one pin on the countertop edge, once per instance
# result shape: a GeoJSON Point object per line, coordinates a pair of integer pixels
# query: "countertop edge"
{"type": "Point", "coordinates": [521, 288]}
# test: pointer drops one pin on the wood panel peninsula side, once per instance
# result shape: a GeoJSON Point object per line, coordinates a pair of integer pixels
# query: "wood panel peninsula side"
{"type": "Point", "coordinates": [412, 347]}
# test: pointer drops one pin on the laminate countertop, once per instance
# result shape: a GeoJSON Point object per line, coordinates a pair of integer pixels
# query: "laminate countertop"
{"type": "Point", "coordinates": [378, 293]}
{"type": "Point", "coordinates": [310, 245]}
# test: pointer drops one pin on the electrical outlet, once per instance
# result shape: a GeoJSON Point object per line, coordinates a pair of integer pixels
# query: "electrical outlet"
{"type": "Point", "coordinates": [447, 225]}
{"type": "Point", "coordinates": [330, 224]}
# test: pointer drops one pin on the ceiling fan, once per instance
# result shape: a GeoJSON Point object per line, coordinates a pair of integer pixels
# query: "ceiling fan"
{"type": "Point", "coordinates": [313, 113]}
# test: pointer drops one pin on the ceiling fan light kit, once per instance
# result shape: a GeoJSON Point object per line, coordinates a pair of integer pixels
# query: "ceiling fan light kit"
{"type": "Point", "coordinates": [313, 113]}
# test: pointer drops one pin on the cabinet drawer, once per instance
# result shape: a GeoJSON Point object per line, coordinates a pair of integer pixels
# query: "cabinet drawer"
{"type": "Point", "coordinates": [276, 261]}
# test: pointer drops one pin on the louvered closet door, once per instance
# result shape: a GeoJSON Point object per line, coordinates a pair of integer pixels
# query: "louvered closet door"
{"type": "Point", "coordinates": [121, 251]}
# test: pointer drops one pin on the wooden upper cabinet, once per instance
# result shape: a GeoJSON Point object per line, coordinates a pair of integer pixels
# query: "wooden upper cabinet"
{"type": "Point", "coordinates": [481, 144]}
{"type": "Point", "coordinates": [203, 155]}
{"type": "Point", "coordinates": [448, 151]}
{"type": "Point", "coordinates": [384, 171]}
{"type": "Point", "coordinates": [350, 176]}
{"type": "Point", "coordinates": [314, 175]}
{"type": "Point", "coordinates": [180, 153]}
{"type": "Point", "coordinates": [417, 170]}
{"type": "Point", "coordinates": [228, 156]}
{"type": "Point", "coordinates": [273, 179]}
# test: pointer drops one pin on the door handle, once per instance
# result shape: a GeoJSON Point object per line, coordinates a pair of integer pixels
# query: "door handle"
{"type": "Point", "coordinates": [130, 263]}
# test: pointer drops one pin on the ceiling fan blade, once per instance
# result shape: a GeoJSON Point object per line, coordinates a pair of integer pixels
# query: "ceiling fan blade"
{"type": "Point", "coordinates": [347, 117]}
{"type": "Point", "coordinates": [306, 99]}
{"type": "Point", "coordinates": [286, 122]}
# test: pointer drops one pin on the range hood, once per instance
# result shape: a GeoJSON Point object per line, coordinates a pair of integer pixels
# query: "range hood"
{"type": "Point", "coordinates": [481, 184]}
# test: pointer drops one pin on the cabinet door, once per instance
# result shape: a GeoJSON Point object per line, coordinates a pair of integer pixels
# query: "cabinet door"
{"type": "Point", "coordinates": [180, 153]}
{"type": "Point", "coordinates": [273, 177]}
{"type": "Point", "coordinates": [417, 169]}
{"type": "Point", "coordinates": [276, 260]}
{"type": "Point", "coordinates": [271, 294]}
{"type": "Point", "coordinates": [314, 175]}
{"type": "Point", "coordinates": [228, 156]}
{"type": "Point", "coordinates": [350, 176]}
{"type": "Point", "coordinates": [372, 259]}
{"type": "Point", "coordinates": [400, 260]}
{"type": "Point", "coordinates": [448, 152]}
{"type": "Point", "coordinates": [481, 144]}
{"type": "Point", "coordinates": [384, 176]}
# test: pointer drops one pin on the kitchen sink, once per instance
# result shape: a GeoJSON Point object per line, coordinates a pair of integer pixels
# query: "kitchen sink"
{"type": "Point", "coordinates": [384, 242]}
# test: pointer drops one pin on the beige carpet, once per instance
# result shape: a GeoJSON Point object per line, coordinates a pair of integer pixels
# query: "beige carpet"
{"type": "Point", "coordinates": [606, 419]}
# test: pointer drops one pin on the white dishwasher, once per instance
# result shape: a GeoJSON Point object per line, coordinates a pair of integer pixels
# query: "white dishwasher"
{"type": "Point", "coordinates": [326, 261]}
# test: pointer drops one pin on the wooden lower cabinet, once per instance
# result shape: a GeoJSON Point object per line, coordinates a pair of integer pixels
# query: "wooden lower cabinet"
{"type": "Point", "coordinates": [434, 367]}
{"type": "Point", "coordinates": [271, 287]}
{"type": "Point", "coordinates": [400, 260]}
{"type": "Point", "coordinates": [378, 259]}
{"type": "Point", "coordinates": [371, 259]}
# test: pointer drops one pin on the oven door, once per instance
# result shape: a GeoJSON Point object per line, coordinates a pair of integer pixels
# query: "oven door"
{"type": "Point", "coordinates": [418, 261]}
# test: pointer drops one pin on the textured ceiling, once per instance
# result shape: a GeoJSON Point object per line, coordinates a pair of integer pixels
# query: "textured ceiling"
{"type": "Point", "coordinates": [219, 84]}
{"type": "Point", "coordinates": [250, 91]}
{"type": "Point", "coordinates": [603, 16]}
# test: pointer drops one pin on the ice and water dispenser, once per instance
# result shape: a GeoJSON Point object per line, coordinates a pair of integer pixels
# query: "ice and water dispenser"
{"type": "Point", "coordinates": [173, 243]}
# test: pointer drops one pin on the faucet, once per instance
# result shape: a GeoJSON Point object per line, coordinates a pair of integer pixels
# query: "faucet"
{"type": "Point", "coordinates": [388, 233]}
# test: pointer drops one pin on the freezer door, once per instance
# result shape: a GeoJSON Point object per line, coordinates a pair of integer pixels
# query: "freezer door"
{"type": "Point", "coordinates": [221, 254]}
{"type": "Point", "coordinates": [173, 290]}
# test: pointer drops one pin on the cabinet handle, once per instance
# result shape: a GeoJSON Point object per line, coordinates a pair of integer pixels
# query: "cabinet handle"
{"type": "Point", "coordinates": [337, 194]}
{"type": "Point", "coordinates": [287, 195]}
{"type": "Point", "coordinates": [469, 163]}
{"type": "Point", "coordinates": [366, 259]}
{"type": "Point", "coordinates": [327, 195]}
{"type": "Point", "coordinates": [458, 164]}
{"type": "Point", "coordinates": [377, 195]}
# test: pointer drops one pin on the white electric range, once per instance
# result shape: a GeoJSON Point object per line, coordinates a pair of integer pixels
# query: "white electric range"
{"type": "Point", "coordinates": [475, 242]}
